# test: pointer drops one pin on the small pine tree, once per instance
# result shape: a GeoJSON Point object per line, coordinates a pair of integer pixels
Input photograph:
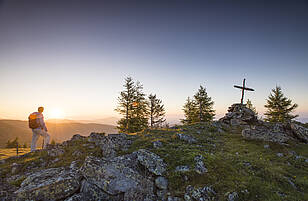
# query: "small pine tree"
{"type": "Point", "coordinates": [132, 104]}
{"type": "Point", "coordinates": [190, 112]}
{"type": "Point", "coordinates": [25, 145]}
{"type": "Point", "coordinates": [140, 109]}
{"type": "Point", "coordinates": [125, 104]}
{"type": "Point", "coordinates": [204, 104]}
{"type": "Point", "coordinates": [250, 106]}
{"type": "Point", "coordinates": [157, 111]}
{"type": "Point", "coordinates": [279, 107]}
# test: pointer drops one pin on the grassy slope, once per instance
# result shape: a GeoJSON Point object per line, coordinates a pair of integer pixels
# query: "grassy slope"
{"type": "Point", "coordinates": [226, 158]}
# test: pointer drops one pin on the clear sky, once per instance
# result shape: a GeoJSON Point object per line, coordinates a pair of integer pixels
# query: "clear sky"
{"type": "Point", "coordinates": [73, 57]}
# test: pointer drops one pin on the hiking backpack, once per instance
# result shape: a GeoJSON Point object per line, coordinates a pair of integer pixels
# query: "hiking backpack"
{"type": "Point", "coordinates": [33, 122]}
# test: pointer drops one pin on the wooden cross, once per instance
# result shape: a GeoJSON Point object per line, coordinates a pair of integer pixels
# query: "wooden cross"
{"type": "Point", "coordinates": [243, 89]}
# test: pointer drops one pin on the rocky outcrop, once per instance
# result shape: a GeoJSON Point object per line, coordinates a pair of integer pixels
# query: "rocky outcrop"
{"type": "Point", "coordinates": [299, 132]}
{"type": "Point", "coordinates": [111, 143]}
{"type": "Point", "coordinates": [199, 194]}
{"type": "Point", "coordinates": [186, 138]}
{"type": "Point", "coordinates": [239, 115]}
{"type": "Point", "coordinates": [268, 132]}
{"type": "Point", "coordinates": [151, 161]}
{"type": "Point", "coordinates": [49, 184]}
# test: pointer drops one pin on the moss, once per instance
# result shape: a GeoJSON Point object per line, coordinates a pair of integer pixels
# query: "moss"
{"type": "Point", "coordinates": [18, 181]}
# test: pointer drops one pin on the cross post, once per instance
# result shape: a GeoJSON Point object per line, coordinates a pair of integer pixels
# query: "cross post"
{"type": "Point", "coordinates": [243, 90]}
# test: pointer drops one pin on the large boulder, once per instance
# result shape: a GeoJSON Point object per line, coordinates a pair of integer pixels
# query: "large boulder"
{"type": "Point", "coordinates": [111, 143]}
{"type": "Point", "coordinates": [116, 177]}
{"type": "Point", "coordinates": [299, 132]}
{"type": "Point", "coordinates": [276, 132]}
{"type": "Point", "coordinates": [49, 184]}
{"type": "Point", "coordinates": [151, 161]}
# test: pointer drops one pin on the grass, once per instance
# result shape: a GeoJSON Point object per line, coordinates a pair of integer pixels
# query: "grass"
{"type": "Point", "coordinates": [234, 164]}
{"type": "Point", "coordinates": [6, 153]}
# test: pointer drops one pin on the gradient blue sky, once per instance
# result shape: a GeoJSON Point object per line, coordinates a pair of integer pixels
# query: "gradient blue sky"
{"type": "Point", "coordinates": [74, 56]}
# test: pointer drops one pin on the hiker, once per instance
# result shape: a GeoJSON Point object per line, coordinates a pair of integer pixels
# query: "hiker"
{"type": "Point", "coordinates": [37, 124]}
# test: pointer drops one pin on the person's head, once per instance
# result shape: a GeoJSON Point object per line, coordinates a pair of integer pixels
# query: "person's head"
{"type": "Point", "coordinates": [40, 109]}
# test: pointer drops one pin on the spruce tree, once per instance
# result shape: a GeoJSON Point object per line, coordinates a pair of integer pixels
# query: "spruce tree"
{"type": "Point", "coordinates": [279, 107]}
{"type": "Point", "coordinates": [125, 105]}
{"type": "Point", "coordinates": [250, 106]}
{"type": "Point", "coordinates": [139, 118]}
{"type": "Point", "coordinates": [190, 112]}
{"type": "Point", "coordinates": [133, 106]}
{"type": "Point", "coordinates": [204, 105]}
{"type": "Point", "coordinates": [156, 111]}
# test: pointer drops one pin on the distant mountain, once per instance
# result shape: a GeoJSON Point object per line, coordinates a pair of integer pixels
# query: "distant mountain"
{"type": "Point", "coordinates": [60, 130]}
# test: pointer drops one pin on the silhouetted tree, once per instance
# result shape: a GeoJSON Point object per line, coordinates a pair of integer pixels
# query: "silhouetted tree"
{"type": "Point", "coordinates": [279, 107]}
{"type": "Point", "coordinates": [125, 105]}
{"type": "Point", "coordinates": [190, 112]}
{"type": "Point", "coordinates": [133, 106]}
{"type": "Point", "coordinates": [156, 111]}
{"type": "Point", "coordinates": [204, 104]}
{"type": "Point", "coordinates": [199, 109]}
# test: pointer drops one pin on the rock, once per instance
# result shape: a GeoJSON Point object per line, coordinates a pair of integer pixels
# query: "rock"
{"type": "Point", "coordinates": [77, 137]}
{"type": "Point", "coordinates": [279, 154]}
{"type": "Point", "coordinates": [199, 164]}
{"type": "Point", "coordinates": [186, 138]}
{"type": "Point", "coordinates": [161, 182]}
{"type": "Point", "coordinates": [268, 132]}
{"type": "Point", "coordinates": [55, 150]}
{"type": "Point", "coordinates": [157, 144]}
{"type": "Point", "coordinates": [49, 184]}
{"type": "Point", "coordinates": [199, 194]}
{"type": "Point", "coordinates": [182, 168]}
{"type": "Point", "coordinates": [111, 143]}
{"type": "Point", "coordinates": [151, 161]}
{"type": "Point", "coordinates": [77, 153]}
{"type": "Point", "coordinates": [232, 196]}
{"type": "Point", "coordinates": [15, 168]}
{"type": "Point", "coordinates": [239, 115]}
{"type": "Point", "coordinates": [92, 192]}
{"type": "Point", "coordinates": [161, 194]}
{"type": "Point", "coordinates": [300, 132]}
{"type": "Point", "coordinates": [170, 198]}
{"type": "Point", "coordinates": [266, 146]}
{"type": "Point", "coordinates": [115, 176]}
{"type": "Point", "coordinates": [76, 197]}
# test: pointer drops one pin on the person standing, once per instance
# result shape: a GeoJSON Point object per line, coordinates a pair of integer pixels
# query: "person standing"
{"type": "Point", "coordinates": [38, 126]}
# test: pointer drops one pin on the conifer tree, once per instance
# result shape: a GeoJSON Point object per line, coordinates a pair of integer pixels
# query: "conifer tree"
{"type": "Point", "coordinates": [156, 111]}
{"type": "Point", "coordinates": [279, 107]}
{"type": "Point", "coordinates": [204, 104]}
{"type": "Point", "coordinates": [190, 112]}
{"type": "Point", "coordinates": [125, 105]}
{"type": "Point", "coordinates": [250, 106]}
{"type": "Point", "coordinates": [133, 106]}
{"type": "Point", "coordinates": [139, 119]}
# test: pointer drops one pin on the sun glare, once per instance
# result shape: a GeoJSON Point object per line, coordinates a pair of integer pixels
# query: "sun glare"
{"type": "Point", "coordinates": [56, 113]}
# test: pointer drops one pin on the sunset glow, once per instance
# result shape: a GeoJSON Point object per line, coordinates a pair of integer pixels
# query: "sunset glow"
{"type": "Point", "coordinates": [55, 113]}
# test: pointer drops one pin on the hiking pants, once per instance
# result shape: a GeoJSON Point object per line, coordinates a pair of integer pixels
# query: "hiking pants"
{"type": "Point", "coordinates": [36, 134]}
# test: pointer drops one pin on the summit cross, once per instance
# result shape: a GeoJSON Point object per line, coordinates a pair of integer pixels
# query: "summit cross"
{"type": "Point", "coordinates": [243, 89]}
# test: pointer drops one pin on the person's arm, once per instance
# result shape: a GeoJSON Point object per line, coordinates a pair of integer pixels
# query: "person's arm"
{"type": "Point", "coordinates": [43, 124]}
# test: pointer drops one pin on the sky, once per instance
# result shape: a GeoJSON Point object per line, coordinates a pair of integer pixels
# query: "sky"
{"type": "Point", "coordinates": [72, 56]}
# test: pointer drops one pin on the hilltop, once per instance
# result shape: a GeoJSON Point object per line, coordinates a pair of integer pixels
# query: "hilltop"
{"type": "Point", "coordinates": [60, 130]}
{"type": "Point", "coordinates": [202, 161]}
